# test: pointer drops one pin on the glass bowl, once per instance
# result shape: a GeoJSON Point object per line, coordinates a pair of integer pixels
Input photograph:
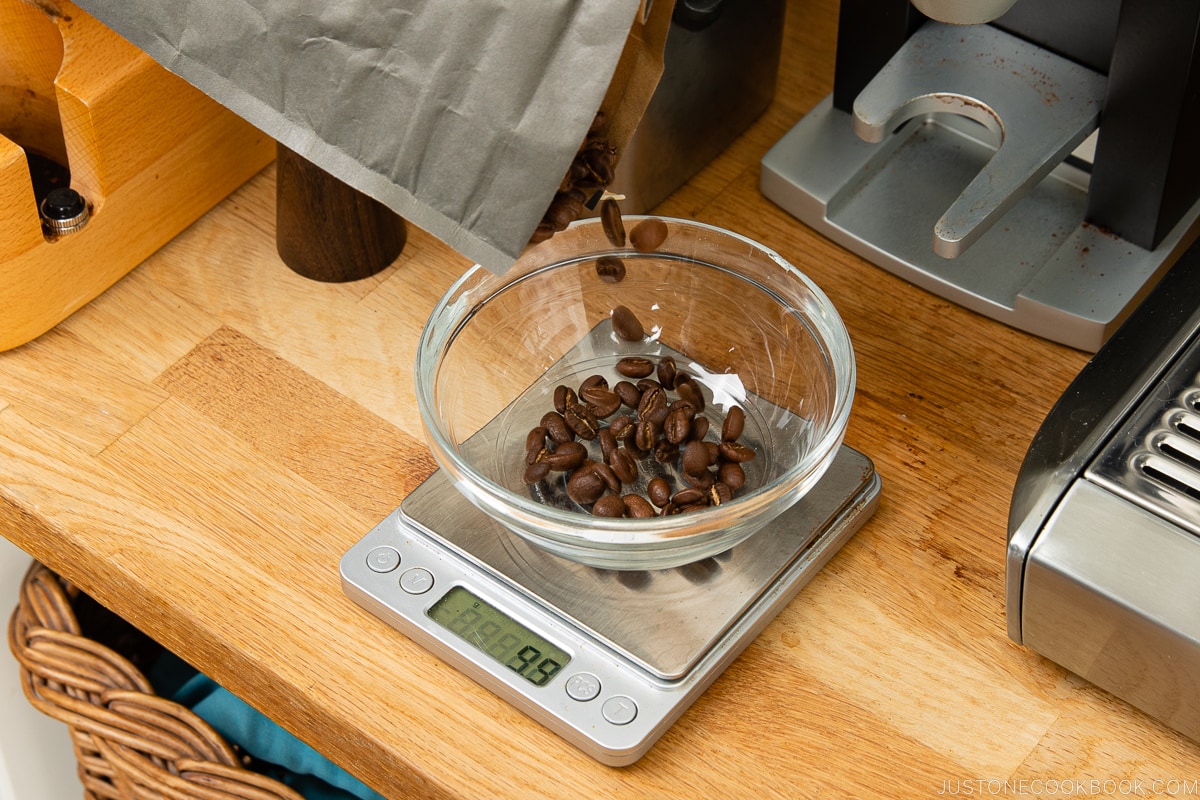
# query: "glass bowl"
{"type": "Point", "coordinates": [747, 329]}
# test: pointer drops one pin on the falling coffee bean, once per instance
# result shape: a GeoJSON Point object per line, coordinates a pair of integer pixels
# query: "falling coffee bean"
{"type": "Point", "coordinates": [610, 269]}
{"type": "Point", "coordinates": [611, 222]}
{"type": "Point", "coordinates": [648, 235]}
{"type": "Point", "coordinates": [626, 324]}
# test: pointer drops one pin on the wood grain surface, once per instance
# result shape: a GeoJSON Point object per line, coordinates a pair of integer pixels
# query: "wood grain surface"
{"type": "Point", "coordinates": [147, 152]}
{"type": "Point", "coordinates": [198, 446]}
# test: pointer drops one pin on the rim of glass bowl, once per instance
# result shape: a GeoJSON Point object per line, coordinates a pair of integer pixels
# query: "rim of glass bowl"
{"type": "Point", "coordinates": [574, 526]}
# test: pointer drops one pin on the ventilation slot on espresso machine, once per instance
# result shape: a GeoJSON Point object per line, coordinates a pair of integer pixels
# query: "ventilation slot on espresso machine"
{"type": "Point", "coordinates": [1030, 161]}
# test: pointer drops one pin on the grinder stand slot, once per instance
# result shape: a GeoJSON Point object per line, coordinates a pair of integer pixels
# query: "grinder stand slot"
{"type": "Point", "coordinates": [985, 182]}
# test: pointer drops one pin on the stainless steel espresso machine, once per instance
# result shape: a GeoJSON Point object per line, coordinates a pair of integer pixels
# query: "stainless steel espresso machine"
{"type": "Point", "coordinates": [1032, 161]}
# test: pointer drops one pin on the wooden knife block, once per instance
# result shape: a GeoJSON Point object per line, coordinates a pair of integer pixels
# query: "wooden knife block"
{"type": "Point", "coordinates": [147, 151]}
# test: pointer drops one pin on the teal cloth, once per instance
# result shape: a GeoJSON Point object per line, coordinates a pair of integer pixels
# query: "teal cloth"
{"type": "Point", "coordinates": [286, 758]}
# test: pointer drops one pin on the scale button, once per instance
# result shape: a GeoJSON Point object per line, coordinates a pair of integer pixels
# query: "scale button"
{"type": "Point", "coordinates": [416, 580]}
{"type": "Point", "coordinates": [583, 686]}
{"type": "Point", "coordinates": [383, 559]}
{"type": "Point", "coordinates": [619, 710]}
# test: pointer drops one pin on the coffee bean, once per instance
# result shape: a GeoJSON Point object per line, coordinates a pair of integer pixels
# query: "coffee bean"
{"type": "Point", "coordinates": [637, 506]}
{"type": "Point", "coordinates": [714, 452]}
{"type": "Point", "coordinates": [732, 475]}
{"type": "Point", "coordinates": [608, 442]}
{"type": "Point", "coordinates": [565, 457]}
{"type": "Point", "coordinates": [563, 397]}
{"type": "Point", "coordinates": [556, 427]}
{"type": "Point", "coordinates": [611, 222]}
{"type": "Point", "coordinates": [646, 435]}
{"type": "Point", "coordinates": [535, 455]}
{"type": "Point", "coordinates": [622, 427]}
{"type": "Point", "coordinates": [701, 480]}
{"type": "Point", "coordinates": [610, 269]}
{"type": "Point", "coordinates": [603, 402]}
{"type": "Point", "coordinates": [607, 475]}
{"type": "Point", "coordinates": [585, 486]}
{"type": "Point", "coordinates": [699, 428]}
{"type": "Point", "coordinates": [666, 372]}
{"type": "Point", "coordinates": [582, 421]}
{"type": "Point", "coordinates": [626, 324]}
{"type": "Point", "coordinates": [685, 497]}
{"type": "Point", "coordinates": [695, 458]}
{"type": "Point", "coordinates": [653, 405]}
{"type": "Point", "coordinates": [536, 472]}
{"type": "Point", "coordinates": [648, 235]}
{"type": "Point", "coordinates": [623, 465]}
{"type": "Point", "coordinates": [735, 422]}
{"type": "Point", "coordinates": [630, 395]}
{"type": "Point", "coordinates": [678, 425]}
{"type": "Point", "coordinates": [635, 367]}
{"type": "Point", "coordinates": [689, 391]}
{"type": "Point", "coordinates": [610, 505]}
{"type": "Point", "coordinates": [659, 491]}
{"type": "Point", "coordinates": [535, 440]}
{"type": "Point", "coordinates": [593, 382]}
{"type": "Point", "coordinates": [665, 452]}
{"type": "Point", "coordinates": [719, 493]}
{"type": "Point", "coordinates": [736, 452]}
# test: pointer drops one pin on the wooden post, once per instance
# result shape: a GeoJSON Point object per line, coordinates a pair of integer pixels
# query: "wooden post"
{"type": "Point", "coordinates": [326, 230]}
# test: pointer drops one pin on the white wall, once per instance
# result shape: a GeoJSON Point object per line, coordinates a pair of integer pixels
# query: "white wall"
{"type": "Point", "coordinates": [36, 759]}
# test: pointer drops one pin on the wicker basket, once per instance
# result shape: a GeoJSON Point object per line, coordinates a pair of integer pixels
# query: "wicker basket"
{"type": "Point", "coordinates": [130, 743]}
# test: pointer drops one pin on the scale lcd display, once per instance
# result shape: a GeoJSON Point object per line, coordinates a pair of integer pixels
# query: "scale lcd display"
{"type": "Point", "coordinates": [501, 637]}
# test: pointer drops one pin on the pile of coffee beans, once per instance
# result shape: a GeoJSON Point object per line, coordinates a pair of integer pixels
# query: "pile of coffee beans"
{"type": "Point", "coordinates": [653, 414]}
{"type": "Point", "coordinates": [599, 439]}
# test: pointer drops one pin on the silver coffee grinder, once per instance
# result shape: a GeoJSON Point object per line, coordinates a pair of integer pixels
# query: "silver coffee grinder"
{"type": "Point", "coordinates": [1031, 161]}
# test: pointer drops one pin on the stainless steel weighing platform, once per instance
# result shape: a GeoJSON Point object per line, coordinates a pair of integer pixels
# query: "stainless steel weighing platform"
{"type": "Point", "coordinates": [607, 659]}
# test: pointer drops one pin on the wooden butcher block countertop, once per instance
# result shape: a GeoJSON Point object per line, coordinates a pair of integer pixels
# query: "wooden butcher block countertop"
{"type": "Point", "coordinates": [199, 446]}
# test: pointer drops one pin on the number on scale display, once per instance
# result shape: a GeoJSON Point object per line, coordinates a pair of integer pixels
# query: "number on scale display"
{"type": "Point", "coordinates": [501, 637]}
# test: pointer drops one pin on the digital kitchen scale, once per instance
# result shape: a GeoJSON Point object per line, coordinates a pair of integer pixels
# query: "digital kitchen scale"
{"type": "Point", "coordinates": [607, 659]}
